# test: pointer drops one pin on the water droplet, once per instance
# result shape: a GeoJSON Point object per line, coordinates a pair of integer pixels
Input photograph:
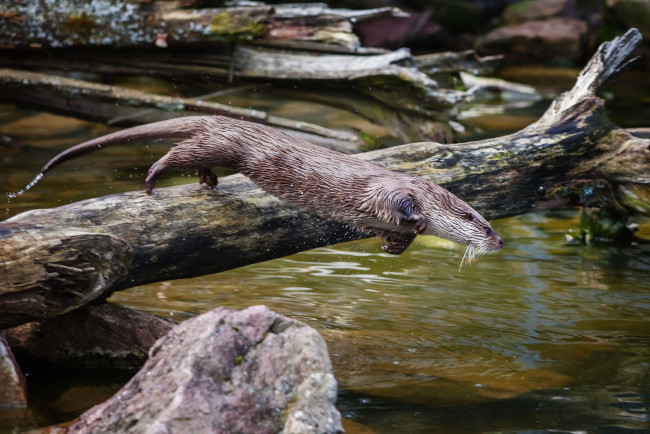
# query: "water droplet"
{"type": "Point", "coordinates": [24, 189]}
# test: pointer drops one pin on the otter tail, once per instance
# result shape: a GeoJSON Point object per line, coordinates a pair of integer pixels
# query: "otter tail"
{"type": "Point", "coordinates": [182, 127]}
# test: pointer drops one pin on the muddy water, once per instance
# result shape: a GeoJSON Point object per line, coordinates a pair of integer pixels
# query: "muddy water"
{"type": "Point", "coordinates": [542, 336]}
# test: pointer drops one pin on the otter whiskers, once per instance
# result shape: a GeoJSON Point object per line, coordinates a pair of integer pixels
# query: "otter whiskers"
{"type": "Point", "coordinates": [471, 253]}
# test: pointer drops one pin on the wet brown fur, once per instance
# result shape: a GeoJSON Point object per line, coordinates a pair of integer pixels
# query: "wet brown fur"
{"type": "Point", "coordinates": [394, 206]}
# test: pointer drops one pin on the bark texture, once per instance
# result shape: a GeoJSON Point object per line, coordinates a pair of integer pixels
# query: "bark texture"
{"type": "Point", "coordinates": [13, 391]}
{"type": "Point", "coordinates": [113, 23]}
{"type": "Point", "coordinates": [270, 46]}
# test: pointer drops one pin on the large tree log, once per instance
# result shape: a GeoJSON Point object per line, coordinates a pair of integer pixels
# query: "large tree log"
{"type": "Point", "coordinates": [58, 259]}
{"type": "Point", "coordinates": [114, 23]}
{"type": "Point", "coordinates": [252, 43]}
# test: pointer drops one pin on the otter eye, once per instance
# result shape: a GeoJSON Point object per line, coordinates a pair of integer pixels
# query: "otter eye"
{"type": "Point", "coordinates": [468, 216]}
{"type": "Point", "coordinates": [488, 231]}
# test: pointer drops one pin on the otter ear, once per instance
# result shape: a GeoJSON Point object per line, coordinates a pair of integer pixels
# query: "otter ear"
{"type": "Point", "coordinates": [468, 216]}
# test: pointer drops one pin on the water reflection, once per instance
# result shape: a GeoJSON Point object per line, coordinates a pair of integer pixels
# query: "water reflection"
{"type": "Point", "coordinates": [555, 333]}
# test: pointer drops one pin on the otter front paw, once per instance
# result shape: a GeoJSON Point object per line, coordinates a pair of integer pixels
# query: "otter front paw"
{"type": "Point", "coordinates": [420, 223]}
{"type": "Point", "coordinates": [397, 243]}
{"type": "Point", "coordinates": [152, 175]}
{"type": "Point", "coordinates": [408, 212]}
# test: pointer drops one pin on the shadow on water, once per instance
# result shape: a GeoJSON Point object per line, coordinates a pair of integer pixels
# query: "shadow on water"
{"type": "Point", "coordinates": [544, 412]}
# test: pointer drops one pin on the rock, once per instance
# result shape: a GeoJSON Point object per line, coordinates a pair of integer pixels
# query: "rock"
{"type": "Point", "coordinates": [532, 10]}
{"type": "Point", "coordinates": [13, 390]}
{"type": "Point", "coordinates": [227, 371]}
{"type": "Point", "coordinates": [412, 30]}
{"type": "Point", "coordinates": [105, 335]}
{"type": "Point", "coordinates": [557, 40]}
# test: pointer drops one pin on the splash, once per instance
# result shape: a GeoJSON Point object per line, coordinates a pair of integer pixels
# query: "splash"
{"type": "Point", "coordinates": [25, 188]}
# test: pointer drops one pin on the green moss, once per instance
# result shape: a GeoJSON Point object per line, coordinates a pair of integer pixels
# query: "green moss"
{"type": "Point", "coordinates": [236, 28]}
{"type": "Point", "coordinates": [238, 360]}
{"type": "Point", "coordinates": [635, 198]}
{"type": "Point", "coordinates": [603, 226]}
{"type": "Point", "coordinates": [371, 142]}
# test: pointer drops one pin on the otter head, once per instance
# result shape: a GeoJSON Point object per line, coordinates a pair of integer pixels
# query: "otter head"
{"type": "Point", "coordinates": [451, 218]}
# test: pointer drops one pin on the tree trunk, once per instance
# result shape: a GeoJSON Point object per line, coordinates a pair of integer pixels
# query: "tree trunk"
{"type": "Point", "coordinates": [58, 259]}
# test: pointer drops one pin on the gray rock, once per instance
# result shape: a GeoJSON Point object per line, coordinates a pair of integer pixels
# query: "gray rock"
{"type": "Point", "coordinates": [555, 39]}
{"type": "Point", "coordinates": [12, 380]}
{"type": "Point", "coordinates": [227, 371]}
{"type": "Point", "coordinates": [532, 10]}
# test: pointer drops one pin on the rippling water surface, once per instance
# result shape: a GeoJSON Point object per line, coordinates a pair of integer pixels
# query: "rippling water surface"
{"type": "Point", "coordinates": [541, 337]}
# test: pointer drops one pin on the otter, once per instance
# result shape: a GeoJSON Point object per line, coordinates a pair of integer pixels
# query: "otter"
{"type": "Point", "coordinates": [392, 205]}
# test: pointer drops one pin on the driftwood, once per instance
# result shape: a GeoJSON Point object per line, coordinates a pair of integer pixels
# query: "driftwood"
{"type": "Point", "coordinates": [278, 44]}
{"type": "Point", "coordinates": [262, 28]}
{"type": "Point", "coordinates": [113, 23]}
{"type": "Point", "coordinates": [380, 78]}
{"type": "Point", "coordinates": [58, 259]}
{"type": "Point", "coordinates": [102, 102]}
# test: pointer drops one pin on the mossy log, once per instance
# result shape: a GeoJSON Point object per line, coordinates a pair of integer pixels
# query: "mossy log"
{"type": "Point", "coordinates": [55, 260]}
{"type": "Point", "coordinates": [115, 23]}
{"type": "Point", "coordinates": [269, 32]}
{"type": "Point", "coordinates": [264, 44]}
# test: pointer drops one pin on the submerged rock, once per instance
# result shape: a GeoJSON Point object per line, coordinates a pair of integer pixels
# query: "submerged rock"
{"type": "Point", "coordinates": [12, 380]}
{"type": "Point", "coordinates": [227, 371]}
{"type": "Point", "coordinates": [557, 40]}
{"type": "Point", "coordinates": [532, 10]}
{"type": "Point", "coordinates": [93, 336]}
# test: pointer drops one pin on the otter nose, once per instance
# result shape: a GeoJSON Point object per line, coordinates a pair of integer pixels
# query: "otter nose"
{"type": "Point", "coordinates": [499, 242]}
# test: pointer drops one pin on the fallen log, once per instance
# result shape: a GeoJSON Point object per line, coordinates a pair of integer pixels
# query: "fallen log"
{"type": "Point", "coordinates": [257, 43]}
{"type": "Point", "coordinates": [56, 260]}
{"type": "Point", "coordinates": [113, 23]}
{"type": "Point", "coordinates": [105, 335]}
{"type": "Point", "coordinates": [245, 42]}
{"type": "Point", "coordinates": [102, 102]}
{"type": "Point", "coordinates": [379, 77]}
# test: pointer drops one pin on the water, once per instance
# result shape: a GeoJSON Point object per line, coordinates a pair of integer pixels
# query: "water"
{"type": "Point", "coordinates": [541, 337]}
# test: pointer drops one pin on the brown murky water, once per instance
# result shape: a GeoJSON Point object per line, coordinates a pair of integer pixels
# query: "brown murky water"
{"type": "Point", "coordinates": [542, 337]}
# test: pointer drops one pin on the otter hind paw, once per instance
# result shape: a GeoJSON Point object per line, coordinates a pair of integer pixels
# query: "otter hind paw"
{"type": "Point", "coordinates": [206, 176]}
